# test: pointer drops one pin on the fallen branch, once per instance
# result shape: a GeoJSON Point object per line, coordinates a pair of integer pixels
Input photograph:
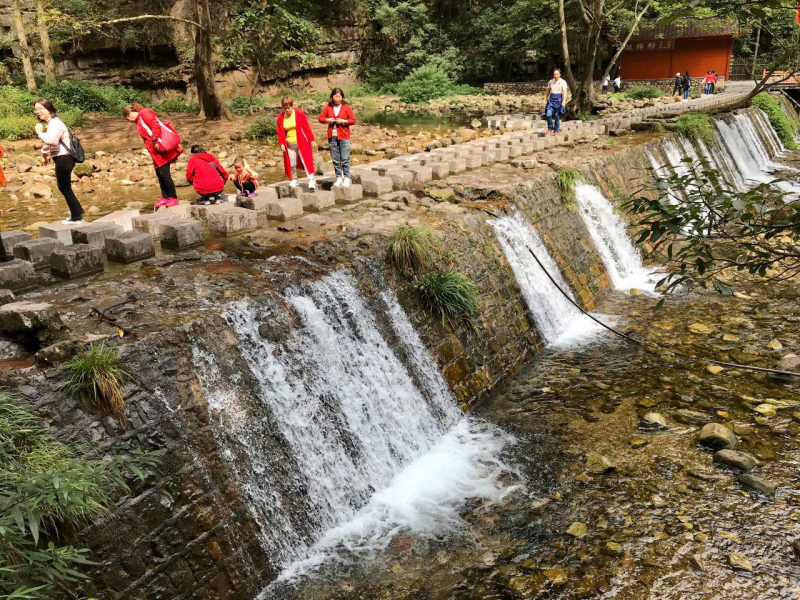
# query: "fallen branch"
{"type": "Point", "coordinates": [146, 17]}
{"type": "Point", "coordinates": [103, 317]}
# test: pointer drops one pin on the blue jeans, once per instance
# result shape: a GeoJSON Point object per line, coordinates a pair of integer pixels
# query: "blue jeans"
{"type": "Point", "coordinates": [340, 155]}
{"type": "Point", "coordinates": [708, 89]}
{"type": "Point", "coordinates": [685, 93]}
{"type": "Point", "coordinates": [553, 119]}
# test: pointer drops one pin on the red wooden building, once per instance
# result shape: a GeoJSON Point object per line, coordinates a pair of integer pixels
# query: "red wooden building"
{"type": "Point", "coordinates": [658, 52]}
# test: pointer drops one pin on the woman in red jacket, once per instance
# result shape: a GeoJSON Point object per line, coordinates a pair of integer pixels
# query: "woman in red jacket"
{"type": "Point", "coordinates": [339, 117]}
{"type": "Point", "coordinates": [152, 132]}
{"type": "Point", "coordinates": [296, 140]}
{"type": "Point", "coordinates": [206, 175]}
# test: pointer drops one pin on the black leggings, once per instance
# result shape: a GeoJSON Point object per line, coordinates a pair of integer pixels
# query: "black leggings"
{"type": "Point", "coordinates": [165, 182]}
{"type": "Point", "coordinates": [64, 166]}
{"type": "Point", "coordinates": [246, 187]}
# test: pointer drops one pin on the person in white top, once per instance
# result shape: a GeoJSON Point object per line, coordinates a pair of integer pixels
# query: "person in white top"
{"type": "Point", "coordinates": [56, 146]}
{"type": "Point", "coordinates": [557, 90]}
{"type": "Point", "coordinates": [617, 84]}
{"type": "Point", "coordinates": [606, 81]}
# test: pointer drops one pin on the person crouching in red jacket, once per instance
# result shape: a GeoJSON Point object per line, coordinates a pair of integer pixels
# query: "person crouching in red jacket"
{"type": "Point", "coordinates": [339, 117]}
{"type": "Point", "coordinates": [206, 175]}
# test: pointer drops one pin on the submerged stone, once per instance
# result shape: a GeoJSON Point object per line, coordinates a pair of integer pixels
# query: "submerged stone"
{"type": "Point", "coordinates": [714, 435]}
{"type": "Point", "coordinates": [577, 530]}
{"type": "Point", "coordinates": [739, 562]}
{"type": "Point", "coordinates": [736, 460]}
{"type": "Point", "coordinates": [653, 422]}
{"type": "Point", "coordinates": [598, 464]}
{"type": "Point", "coordinates": [760, 485]}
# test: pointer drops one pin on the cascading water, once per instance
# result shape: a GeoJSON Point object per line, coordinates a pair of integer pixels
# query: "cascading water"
{"type": "Point", "coordinates": [610, 235]}
{"type": "Point", "coordinates": [555, 317]}
{"type": "Point", "coordinates": [371, 443]}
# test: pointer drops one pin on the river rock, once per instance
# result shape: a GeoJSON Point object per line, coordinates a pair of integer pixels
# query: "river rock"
{"type": "Point", "coordinates": [692, 417]}
{"type": "Point", "coordinates": [557, 576]}
{"type": "Point", "coordinates": [701, 329]}
{"type": "Point", "coordinates": [760, 485]}
{"type": "Point", "coordinates": [598, 464]}
{"type": "Point", "coordinates": [789, 363]}
{"type": "Point", "coordinates": [718, 437]}
{"type": "Point", "coordinates": [775, 344]}
{"type": "Point", "coordinates": [577, 529]}
{"type": "Point", "coordinates": [767, 410]}
{"type": "Point", "coordinates": [736, 460]}
{"type": "Point", "coordinates": [31, 323]}
{"type": "Point", "coordinates": [41, 190]}
{"type": "Point", "coordinates": [653, 422]}
{"type": "Point", "coordinates": [739, 562]}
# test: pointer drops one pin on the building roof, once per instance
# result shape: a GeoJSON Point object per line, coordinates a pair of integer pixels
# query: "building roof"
{"type": "Point", "coordinates": [687, 28]}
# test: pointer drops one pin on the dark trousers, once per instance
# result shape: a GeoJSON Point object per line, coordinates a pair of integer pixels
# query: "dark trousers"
{"type": "Point", "coordinates": [165, 182]}
{"type": "Point", "coordinates": [64, 167]}
{"type": "Point", "coordinates": [212, 198]}
{"type": "Point", "coordinates": [245, 187]}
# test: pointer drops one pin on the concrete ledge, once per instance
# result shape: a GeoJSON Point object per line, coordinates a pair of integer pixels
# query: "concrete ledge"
{"type": "Point", "coordinates": [130, 246]}
{"type": "Point", "coordinates": [17, 275]}
{"type": "Point", "coordinates": [376, 185]}
{"type": "Point", "coordinates": [348, 195]}
{"type": "Point", "coordinates": [259, 202]}
{"type": "Point", "coordinates": [124, 218]}
{"type": "Point", "coordinates": [12, 238]}
{"type": "Point", "coordinates": [318, 201]}
{"type": "Point", "coordinates": [285, 209]}
{"type": "Point", "coordinates": [58, 231]}
{"type": "Point", "coordinates": [183, 233]}
{"type": "Point", "coordinates": [37, 252]}
{"type": "Point", "coordinates": [95, 234]}
{"type": "Point", "coordinates": [231, 220]}
{"type": "Point", "coordinates": [76, 260]}
{"type": "Point", "coordinates": [152, 223]}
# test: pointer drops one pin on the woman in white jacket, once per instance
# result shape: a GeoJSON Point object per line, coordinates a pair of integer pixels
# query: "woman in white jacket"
{"type": "Point", "coordinates": [57, 141]}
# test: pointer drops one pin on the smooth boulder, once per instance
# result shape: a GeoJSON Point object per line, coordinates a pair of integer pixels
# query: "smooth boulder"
{"type": "Point", "coordinates": [740, 461]}
{"type": "Point", "coordinates": [31, 323]}
{"type": "Point", "coordinates": [718, 437]}
{"type": "Point", "coordinates": [760, 485]}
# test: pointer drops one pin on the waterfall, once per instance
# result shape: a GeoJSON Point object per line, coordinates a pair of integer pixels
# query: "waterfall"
{"type": "Point", "coordinates": [610, 234]}
{"type": "Point", "coordinates": [356, 423]}
{"type": "Point", "coordinates": [555, 317]}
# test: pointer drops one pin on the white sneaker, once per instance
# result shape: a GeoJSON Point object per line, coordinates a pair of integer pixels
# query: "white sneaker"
{"type": "Point", "coordinates": [69, 221]}
{"type": "Point", "coordinates": [312, 183]}
{"type": "Point", "coordinates": [346, 182]}
{"type": "Point", "coordinates": [338, 182]}
{"type": "Point", "coordinates": [293, 184]}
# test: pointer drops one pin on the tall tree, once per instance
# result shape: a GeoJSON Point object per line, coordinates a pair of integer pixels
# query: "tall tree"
{"type": "Point", "coordinates": [211, 104]}
{"type": "Point", "coordinates": [24, 49]}
{"type": "Point", "coordinates": [44, 37]}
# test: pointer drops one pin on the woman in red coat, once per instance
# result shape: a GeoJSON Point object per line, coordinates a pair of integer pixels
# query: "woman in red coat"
{"type": "Point", "coordinates": [296, 140]}
{"type": "Point", "coordinates": [339, 117]}
{"type": "Point", "coordinates": [152, 132]}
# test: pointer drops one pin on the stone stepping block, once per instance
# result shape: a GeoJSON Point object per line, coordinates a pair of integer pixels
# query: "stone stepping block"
{"type": "Point", "coordinates": [95, 234]}
{"type": "Point", "coordinates": [287, 191]}
{"type": "Point", "coordinates": [58, 231]}
{"type": "Point", "coordinates": [183, 233]}
{"type": "Point", "coordinates": [17, 275]}
{"type": "Point", "coordinates": [400, 178]}
{"type": "Point", "coordinates": [439, 170]}
{"type": "Point", "coordinates": [6, 297]}
{"type": "Point", "coordinates": [12, 238]}
{"type": "Point", "coordinates": [420, 173]}
{"type": "Point", "coordinates": [37, 252]}
{"type": "Point", "coordinates": [230, 220]}
{"type": "Point", "coordinates": [152, 223]}
{"type": "Point", "coordinates": [77, 260]}
{"type": "Point", "coordinates": [123, 218]}
{"type": "Point", "coordinates": [473, 162]}
{"type": "Point", "coordinates": [285, 209]}
{"type": "Point", "coordinates": [376, 185]}
{"type": "Point", "coordinates": [130, 246]}
{"type": "Point", "coordinates": [181, 210]}
{"type": "Point", "coordinates": [348, 195]}
{"type": "Point", "coordinates": [259, 201]}
{"type": "Point", "coordinates": [318, 201]}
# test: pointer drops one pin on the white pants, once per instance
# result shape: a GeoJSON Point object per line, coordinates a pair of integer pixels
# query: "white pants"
{"type": "Point", "coordinates": [294, 155]}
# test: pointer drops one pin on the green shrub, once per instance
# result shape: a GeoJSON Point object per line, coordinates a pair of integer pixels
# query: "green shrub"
{"type": "Point", "coordinates": [780, 121]}
{"type": "Point", "coordinates": [566, 180]}
{"type": "Point", "coordinates": [425, 83]}
{"type": "Point", "coordinates": [240, 105]}
{"type": "Point", "coordinates": [411, 249]}
{"type": "Point", "coordinates": [91, 97]}
{"type": "Point", "coordinates": [15, 101]}
{"type": "Point", "coordinates": [447, 292]}
{"type": "Point", "coordinates": [643, 92]}
{"type": "Point", "coordinates": [262, 129]}
{"type": "Point", "coordinates": [96, 377]}
{"type": "Point", "coordinates": [698, 127]}
{"type": "Point", "coordinates": [20, 127]}
{"type": "Point", "coordinates": [177, 105]}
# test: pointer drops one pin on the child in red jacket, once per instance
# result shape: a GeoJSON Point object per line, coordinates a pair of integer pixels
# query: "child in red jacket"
{"type": "Point", "coordinates": [206, 175]}
{"type": "Point", "coordinates": [244, 178]}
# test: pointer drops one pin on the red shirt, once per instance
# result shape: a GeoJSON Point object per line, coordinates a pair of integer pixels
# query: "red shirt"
{"type": "Point", "coordinates": [345, 112]}
{"type": "Point", "coordinates": [205, 174]}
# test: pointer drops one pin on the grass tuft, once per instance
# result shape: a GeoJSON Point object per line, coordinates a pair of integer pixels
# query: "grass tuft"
{"type": "Point", "coordinates": [566, 179]}
{"type": "Point", "coordinates": [447, 292]}
{"type": "Point", "coordinates": [411, 249]}
{"type": "Point", "coordinates": [96, 378]}
{"type": "Point", "coordinates": [698, 127]}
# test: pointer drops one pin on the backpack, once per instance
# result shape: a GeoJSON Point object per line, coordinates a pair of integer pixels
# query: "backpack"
{"type": "Point", "coordinates": [75, 148]}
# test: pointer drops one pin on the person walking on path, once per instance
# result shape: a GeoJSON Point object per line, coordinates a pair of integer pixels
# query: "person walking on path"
{"type": "Point", "coordinates": [206, 175]}
{"type": "Point", "coordinates": [57, 142]}
{"type": "Point", "coordinates": [707, 83]}
{"type": "Point", "coordinates": [3, 180]}
{"type": "Point", "coordinates": [687, 85]}
{"type": "Point", "coordinates": [617, 84]}
{"type": "Point", "coordinates": [3, 183]}
{"type": "Point", "coordinates": [606, 81]}
{"type": "Point", "coordinates": [244, 178]}
{"type": "Point", "coordinates": [339, 117]}
{"type": "Point", "coordinates": [557, 90]}
{"type": "Point", "coordinates": [678, 87]}
{"type": "Point", "coordinates": [296, 141]}
{"type": "Point", "coordinates": [713, 82]}
{"type": "Point", "coordinates": [163, 144]}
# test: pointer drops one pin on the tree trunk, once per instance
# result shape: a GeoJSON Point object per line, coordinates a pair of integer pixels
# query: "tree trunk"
{"type": "Point", "coordinates": [19, 27]}
{"type": "Point", "coordinates": [211, 105]}
{"type": "Point", "coordinates": [562, 24]}
{"type": "Point", "coordinates": [627, 39]}
{"type": "Point", "coordinates": [755, 52]}
{"type": "Point", "coordinates": [44, 37]}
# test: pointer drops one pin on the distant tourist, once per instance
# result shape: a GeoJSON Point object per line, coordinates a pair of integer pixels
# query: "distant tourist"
{"type": "Point", "coordinates": [339, 117]}
{"type": "Point", "coordinates": [617, 84]}
{"type": "Point", "coordinates": [244, 178]}
{"type": "Point", "coordinates": [606, 81]}
{"type": "Point", "coordinates": [713, 82]}
{"type": "Point", "coordinates": [676, 90]}
{"type": "Point", "coordinates": [687, 85]}
{"type": "Point", "coordinates": [163, 144]}
{"type": "Point", "coordinates": [707, 83]}
{"type": "Point", "coordinates": [3, 183]}
{"type": "Point", "coordinates": [57, 142]}
{"type": "Point", "coordinates": [556, 106]}
{"type": "Point", "coordinates": [206, 175]}
{"type": "Point", "coordinates": [3, 180]}
{"type": "Point", "coordinates": [296, 141]}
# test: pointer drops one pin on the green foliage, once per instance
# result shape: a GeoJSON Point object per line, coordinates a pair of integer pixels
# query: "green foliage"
{"type": "Point", "coordinates": [566, 180]}
{"type": "Point", "coordinates": [423, 84]}
{"type": "Point", "coordinates": [96, 377]}
{"type": "Point", "coordinates": [176, 104]}
{"type": "Point", "coordinates": [448, 293]}
{"type": "Point", "coordinates": [20, 127]}
{"type": "Point", "coordinates": [411, 249]}
{"type": "Point", "coordinates": [643, 92]}
{"type": "Point", "coordinates": [698, 127]}
{"type": "Point", "coordinates": [240, 105]}
{"type": "Point", "coordinates": [90, 97]}
{"type": "Point", "coordinates": [15, 101]}
{"type": "Point", "coordinates": [783, 125]}
{"type": "Point", "coordinates": [49, 489]}
{"type": "Point", "coordinates": [263, 129]}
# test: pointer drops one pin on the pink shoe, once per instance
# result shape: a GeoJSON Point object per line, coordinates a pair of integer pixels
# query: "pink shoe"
{"type": "Point", "coordinates": [160, 202]}
{"type": "Point", "coordinates": [170, 202]}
